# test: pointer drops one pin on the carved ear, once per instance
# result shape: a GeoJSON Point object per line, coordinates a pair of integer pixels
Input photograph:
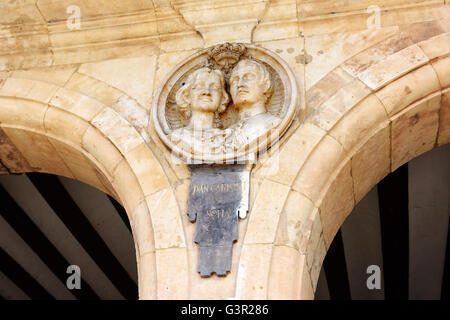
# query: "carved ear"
{"type": "Point", "coordinates": [267, 84]}
{"type": "Point", "coordinates": [183, 100]}
{"type": "Point", "coordinates": [268, 88]}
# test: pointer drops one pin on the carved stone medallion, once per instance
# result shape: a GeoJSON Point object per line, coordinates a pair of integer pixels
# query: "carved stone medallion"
{"type": "Point", "coordinates": [225, 103]}
{"type": "Point", "coordinates": [218, 110]}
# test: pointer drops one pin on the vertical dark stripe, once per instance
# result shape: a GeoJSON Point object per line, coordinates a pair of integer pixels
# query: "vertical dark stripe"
{"type": "Point", "coordinates": [37, 241]}
{"type": "Point", "coordinates": [393, 203]}
{"type": "Point", "coordinates": [445, 290]}
{"type": "Point", "coordinates": [22, 279]}
{"type": "Point", "coordinates": [322, 292]}
{"type": "Point", "coordinates": [70, 214]}
{"type": "Point", "coordinates": [336, 270]}
{"type": "Point", "coordinates": [121, 211]}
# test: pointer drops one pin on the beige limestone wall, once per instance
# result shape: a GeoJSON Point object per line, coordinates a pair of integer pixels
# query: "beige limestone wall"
{"type": "Point", "coordinates": [76, 103]}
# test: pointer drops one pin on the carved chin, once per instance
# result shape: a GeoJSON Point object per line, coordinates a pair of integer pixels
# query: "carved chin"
{"type": "Point", "coordinates": [244, 102]}
{"type": "Point", "coordinates": [207, 107]}
{"type": "Point", "coordinates": [241, 100]}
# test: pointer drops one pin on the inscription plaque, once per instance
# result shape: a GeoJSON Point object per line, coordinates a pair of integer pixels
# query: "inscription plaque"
{"type": "Point", "coordinates": [218, 195]}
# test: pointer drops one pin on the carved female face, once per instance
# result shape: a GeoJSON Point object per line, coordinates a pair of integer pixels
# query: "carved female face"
{"type": "Point", "coordinates": [246, 84]}
{"type": "Point", "coordinates": [206, 92]}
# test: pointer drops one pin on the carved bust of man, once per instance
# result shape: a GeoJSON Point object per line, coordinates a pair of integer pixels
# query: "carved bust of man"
{"type": "Point", "coordinates": [199, 100]}
{"type": "Point", "coordinates": [251, 88]}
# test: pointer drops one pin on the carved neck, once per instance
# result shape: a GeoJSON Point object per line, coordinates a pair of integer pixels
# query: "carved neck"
{"type": "Point", "coordinates": [201, 120]}
{"type": "Point", "coordinates": [248, 112]}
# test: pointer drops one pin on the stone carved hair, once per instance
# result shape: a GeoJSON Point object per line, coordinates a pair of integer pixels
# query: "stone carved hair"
{"type": "Point", "coordinates": [182, 96]}
{"type": "Point", "coordinates": [265, 79]}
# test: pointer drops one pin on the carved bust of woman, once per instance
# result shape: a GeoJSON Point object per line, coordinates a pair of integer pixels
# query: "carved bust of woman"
{"type": "Point", "coordinates": [200, 100]}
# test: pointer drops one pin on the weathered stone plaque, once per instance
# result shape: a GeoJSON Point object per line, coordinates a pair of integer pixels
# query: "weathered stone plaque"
{"type": "Point", "coordinates": [218, 195]}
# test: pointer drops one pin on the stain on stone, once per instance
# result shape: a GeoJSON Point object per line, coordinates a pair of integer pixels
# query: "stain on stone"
{"type": "Point", "coordinates": [407, 90]}
{"type": "Point", "coordinates": [303, 58]}
{"type": "Point", "coordinates": [290, 50]}
{"type": "Point", "coordinates": [23, 18]}
{"type": "Point", "coordinates": [10, 156]}
{"type": "Point", "coordinates": [367, 58]}
{"type": "Point", "coordinates": [424, 30]}
{"type": "Point", "coordinates": [320, 52]}
{"type": "Point", "coordinates": [279, 51]}
{"type": "Point", "coordinates": [414, 119]}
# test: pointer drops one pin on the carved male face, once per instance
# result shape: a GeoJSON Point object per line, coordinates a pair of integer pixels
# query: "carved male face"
{"type": "Point", "coordinates": [206, 92]}
{"type": "Point", "coordinates": [249, 84]}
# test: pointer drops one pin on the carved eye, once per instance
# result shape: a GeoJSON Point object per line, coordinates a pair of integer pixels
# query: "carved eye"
{"type": "Point", "coordinates": [249, 76]}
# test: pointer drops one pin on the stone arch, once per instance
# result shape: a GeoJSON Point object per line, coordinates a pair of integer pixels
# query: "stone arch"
{"type": "Point", "coordinates": [47, 128]}
{"type": "Point", "coordinates": [357, 131]}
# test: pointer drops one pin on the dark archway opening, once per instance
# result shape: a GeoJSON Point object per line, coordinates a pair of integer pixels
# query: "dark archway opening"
{"type": "Point", "coordinates": [401, 226]}
{"type": "Point", "coordinates": [48, 223]}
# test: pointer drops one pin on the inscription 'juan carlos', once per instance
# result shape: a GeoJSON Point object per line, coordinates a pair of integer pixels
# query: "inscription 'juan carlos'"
{"type": "Point", "coordinates": [220, 187]}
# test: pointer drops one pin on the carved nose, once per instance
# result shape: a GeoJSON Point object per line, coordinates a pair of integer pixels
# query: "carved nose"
{"type": "Point", "coordinates": [205, 92]}
{"type": "Point", "coordinates": [241, 85]}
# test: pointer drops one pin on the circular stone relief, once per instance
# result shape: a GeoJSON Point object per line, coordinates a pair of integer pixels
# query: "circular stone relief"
{"type": "Point", "coordinates": [225, 103]}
